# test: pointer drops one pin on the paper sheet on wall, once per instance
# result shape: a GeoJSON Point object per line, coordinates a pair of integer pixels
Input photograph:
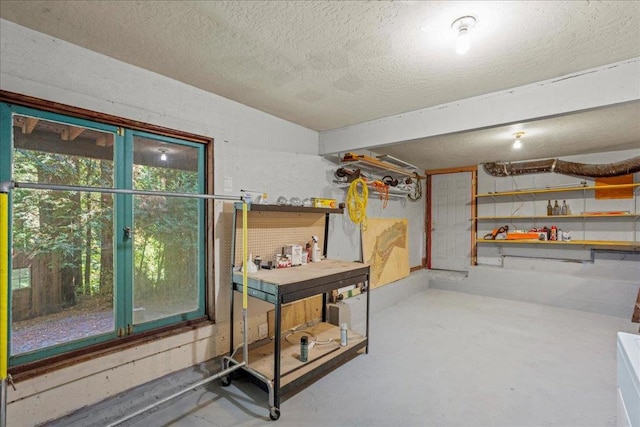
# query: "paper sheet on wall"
{"type": "Point", "coordinates": [385, 247]}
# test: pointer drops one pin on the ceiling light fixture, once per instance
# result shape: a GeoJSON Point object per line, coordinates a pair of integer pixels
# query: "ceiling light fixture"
{"type": "Point", "coordinates": [163, 155]}
{"type": "Point", "coordinates": [517, 144]}
{"type": "Point", "coordinates": [462, 25]}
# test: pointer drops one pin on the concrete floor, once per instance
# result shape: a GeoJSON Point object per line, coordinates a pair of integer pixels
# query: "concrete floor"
{"type": "Point", "coordinates": [440, 358]}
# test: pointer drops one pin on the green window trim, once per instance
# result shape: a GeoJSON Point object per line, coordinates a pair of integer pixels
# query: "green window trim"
{"type": "Point", "coordinates": [125, 314]}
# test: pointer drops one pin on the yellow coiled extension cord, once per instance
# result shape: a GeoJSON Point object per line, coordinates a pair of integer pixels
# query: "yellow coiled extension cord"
{"type": "Point", "coordinates": [357, 202]}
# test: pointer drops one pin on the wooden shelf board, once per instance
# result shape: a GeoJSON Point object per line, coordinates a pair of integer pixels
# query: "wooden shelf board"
{"type": "Point", "coordinates": [372, 163]}
{"type": "Point", "coordinates": [257, 207]}
{"type": "Point", "coordinates": [557, 190]}
{"type": "Point", "coordinates": [483, 218]}
{"type": "Point", "coordinates": [261, 358]}
{"type": "Point", "coordinates": [621, 243]}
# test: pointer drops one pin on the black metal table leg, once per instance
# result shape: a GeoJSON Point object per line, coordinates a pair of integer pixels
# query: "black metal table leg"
{"type": "Point", "coordinates": [276, 352]}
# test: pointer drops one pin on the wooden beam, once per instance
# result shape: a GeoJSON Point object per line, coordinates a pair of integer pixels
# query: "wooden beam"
{"type": "Point", "coordinates": [104, 141]}
{"type": "Point", "coordinates": [70, 133]}
{"type": "Point", "coordinates": [473, 168]}
{"type": "Point", "coordinates": [370, 161]}
{"type": "Point", "coordinates": [29, 124]}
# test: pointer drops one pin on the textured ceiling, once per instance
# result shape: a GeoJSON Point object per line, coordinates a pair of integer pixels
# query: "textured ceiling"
{"type": "Point", "coordinates": [328, 64]}
{"type": "Point", "coordinates": [606, 129]}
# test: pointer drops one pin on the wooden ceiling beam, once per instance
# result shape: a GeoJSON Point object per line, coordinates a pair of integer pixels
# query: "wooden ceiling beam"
{"type": "Point", "coordinates": [105, 141]}
{"type": "Point", "coordinates": [71, 132]}
{"type": "Point", "coordinates": [29, 124]}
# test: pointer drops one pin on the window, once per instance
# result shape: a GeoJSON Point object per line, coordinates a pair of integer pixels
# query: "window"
{"type": "Point", "coordinates": [105, 218]}
{"type": "Point", "coordinates": [20, 278]}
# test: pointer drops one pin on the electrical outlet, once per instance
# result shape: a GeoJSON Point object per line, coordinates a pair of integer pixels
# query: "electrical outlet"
{"type": "Point", "coordinates": [263, 330]}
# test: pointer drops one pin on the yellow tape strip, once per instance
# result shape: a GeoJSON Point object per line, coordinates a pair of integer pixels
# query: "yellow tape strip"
{"type": "Point", "coordinates": [4, 284]}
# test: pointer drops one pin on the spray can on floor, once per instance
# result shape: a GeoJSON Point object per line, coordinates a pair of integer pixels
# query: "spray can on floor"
{"type": "Point", "coordinates": [304, 348]}
{"type": "Point", "coordinates": [343, 335]}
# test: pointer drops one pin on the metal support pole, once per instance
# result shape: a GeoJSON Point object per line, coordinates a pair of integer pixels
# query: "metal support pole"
{"type": "Point", "coordinates": [178, 394]}
{"type": "Point", "coordinates": [4, 302]}
{"type": "Point", "coordinates": [232, 368]}
{"type": "Point", "coordinates": [5, 188]}
{"type": "Point", "coordinates": [245, 283]}
{"type": "Point", "coordinates": [3, 397]}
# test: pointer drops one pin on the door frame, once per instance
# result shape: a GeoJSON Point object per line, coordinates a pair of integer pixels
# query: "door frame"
{"type": "Point", "coordinates": [474, 179]}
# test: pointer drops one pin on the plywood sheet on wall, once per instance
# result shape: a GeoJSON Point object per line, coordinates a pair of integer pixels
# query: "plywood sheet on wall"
{"type": "Point", "coordinates": [296, 314]}
{"type": "Point", "coordinates": [385, 247]}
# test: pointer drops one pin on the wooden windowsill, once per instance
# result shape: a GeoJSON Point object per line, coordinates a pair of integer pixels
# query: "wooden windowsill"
{"type": "Point", "coordinates": [44, 366]}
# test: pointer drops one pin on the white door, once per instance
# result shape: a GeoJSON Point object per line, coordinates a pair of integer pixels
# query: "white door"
{"type": "Point", "coordinates": [451, 221]}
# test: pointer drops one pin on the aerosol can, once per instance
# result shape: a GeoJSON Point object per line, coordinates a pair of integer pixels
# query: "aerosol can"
{"type": "Point", "coordinates": [315, 251]}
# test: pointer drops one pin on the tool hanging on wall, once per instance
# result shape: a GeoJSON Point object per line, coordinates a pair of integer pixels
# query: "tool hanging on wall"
{"type": "Point", "coordinates": [417, 192]}
{"type": "Point", "coordinates": [347, 175]}
{"type": "Point", "coordinates": [383, 190]}
{"type": "Point", "coordinates": [357, 202]}
{"type": "Point", "coordinates": [390, 181]}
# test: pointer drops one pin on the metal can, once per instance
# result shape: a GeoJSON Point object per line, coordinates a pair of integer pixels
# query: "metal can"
{"type": "Point", "coordinates": [343, 335]}
{"type": "Point", "coordinates": [304, 348]}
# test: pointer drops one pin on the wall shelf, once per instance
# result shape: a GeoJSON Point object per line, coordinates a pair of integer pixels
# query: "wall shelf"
{"type": "Point", "coordinates": [557, 217]}
{"type": "Point", "coordinates": [590, 243]}
{"type": "Point", "coordinates": [377, 165]}
{"type": "Point", "coordinates": [629, 214]}
{"type": "Point", "coordinates": [558, 190]}
{"type": "Point", "coordinates": [257, 207]}
{"type": "Point", "coordinates": [377, 168]}
{"type": "Point", "coordinates": [393, 192]}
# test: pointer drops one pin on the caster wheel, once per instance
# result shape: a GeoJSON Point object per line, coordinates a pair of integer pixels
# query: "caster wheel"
{"type": "Point", "coordinates": [225, 381]}
{"type": "Point", "coordinates": [274, 413]}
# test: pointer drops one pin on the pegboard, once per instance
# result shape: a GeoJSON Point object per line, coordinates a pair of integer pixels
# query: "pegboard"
{"type": "Point", "coordinates": [268, 232]}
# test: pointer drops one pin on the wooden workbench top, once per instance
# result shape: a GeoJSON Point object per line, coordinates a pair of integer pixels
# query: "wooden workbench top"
{"type": "Point", "coordinates": [303, 273]}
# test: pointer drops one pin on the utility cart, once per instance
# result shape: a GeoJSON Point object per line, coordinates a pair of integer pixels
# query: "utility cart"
{"type": "Point", "coordinates": [276, 365]}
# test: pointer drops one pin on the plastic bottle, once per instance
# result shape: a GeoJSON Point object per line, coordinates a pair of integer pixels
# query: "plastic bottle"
{"type": "Point", "coordinates": [549, 209]}
{"type": "Point", "coordinates": [556, 208]}
{"type": "Point", "coordinates": [554, 233]}
{"type": "Point", "coordinates": [315, 251]}
{"type": "Point", "coordinates": [563, 210]}
{"type": "Point", "coordinates": [343, 335]}
{"type": "Point", "coordinates": [304, 348]}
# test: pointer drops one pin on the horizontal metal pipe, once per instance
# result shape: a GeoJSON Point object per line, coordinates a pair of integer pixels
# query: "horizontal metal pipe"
{"type": "Point", "coordinates": [178, 394]}
{"type": "Point", "coordinates": [35, 186]}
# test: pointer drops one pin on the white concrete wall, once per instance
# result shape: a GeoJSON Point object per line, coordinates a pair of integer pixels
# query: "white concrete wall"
{"type": "Point", "coordinates": [580, 229]}
{"type": "Point", "coordinates": [252, 150]}
{"type": "Point", "coordinates": [579, 278]}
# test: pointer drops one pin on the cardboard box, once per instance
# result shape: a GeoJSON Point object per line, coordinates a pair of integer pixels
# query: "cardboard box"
{"type": "Point", "coordinates": [296, 253]}
{"type": "Point", "coordinates": [324, 203]}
